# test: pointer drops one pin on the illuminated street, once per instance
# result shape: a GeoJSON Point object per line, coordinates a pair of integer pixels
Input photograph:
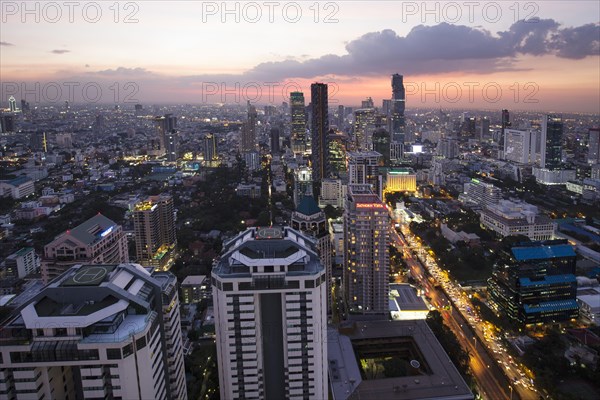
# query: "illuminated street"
{"type": "Point", "coordinates": [492, 367]}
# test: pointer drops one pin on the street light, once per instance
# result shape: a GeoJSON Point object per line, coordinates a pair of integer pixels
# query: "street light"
{"type": "Point", "coordinates": [511, 390]}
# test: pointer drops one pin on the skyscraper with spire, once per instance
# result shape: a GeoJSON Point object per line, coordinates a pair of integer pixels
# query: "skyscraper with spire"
{"type": "Point", "coordinates": [397, 120]}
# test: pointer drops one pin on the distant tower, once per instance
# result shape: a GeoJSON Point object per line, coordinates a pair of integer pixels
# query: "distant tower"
{"type": "Point", "coordinates": [7, 123]}
{"type": "Point", "coordinates": [298, 122]}
{"type": "Point", "coordinates": [165, 126]}
{"type": "Point", "coordinates": [485, 128]}
{"type": "Point", "coordinates": [381, 144]}
{"type": "Point", "coordinates": [210, 148]}
{"type": "Point", "coordinates": [319, 131]}
{"type": "Point", "coordinates": [341, 117]}
{"type": "Point", "coordinates": [368, 103]}
{"type": "Point", "coordinates": [397, 122]}
{"type": "Point", "coordinates": [593, 156]}
{"type": "Point", "coordinates": [551, 142]}
{"type": "Point", "coordinates": [171, 145]}
{"type": "Point", "coordinates": [275, 141]}
{"type": "Point", "coordinates": [39, 141]}
{"type": "Point", "coordinates": [12, 104]}
{"type": "Point", "coordinates": [249, 129]}
{"type": "Point", "coordinates": [505, 124]}
{"type": "Point", "coordinates": [154, 229]}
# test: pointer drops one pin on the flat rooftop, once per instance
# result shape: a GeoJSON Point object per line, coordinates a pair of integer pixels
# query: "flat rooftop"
{"type": "Point", "coordinates": [405, 297]}
{"type": "Point", "coordinates": [433, 376]}
{"type": "Point", "coordinates": [89, 275]}
{"type": "Point", "coordinates": [543, 252]}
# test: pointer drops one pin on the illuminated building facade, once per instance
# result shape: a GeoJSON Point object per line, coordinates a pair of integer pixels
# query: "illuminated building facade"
{"type": "Point", "coordinates": [298, 111]}
{"type": "Point", "coordinates": [154, 228]}
{"type": "Point", "coordinates": [367, 260]}
{"type": "Point", "coordinates": [401, 180]}
{"type": "Point", "coordinates": [336, 155]}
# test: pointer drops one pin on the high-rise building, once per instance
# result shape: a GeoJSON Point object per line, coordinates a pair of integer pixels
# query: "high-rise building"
{"type": "Point", "coordinates": [537, 284]}
{"type": "Point", "coordinates": [108, 331]}
{"type": "Point", "coordinates": [485, 128]}
{"type": "Point", "coordinates": [551, 142]}
{"type": "Point", "coordinates": [98, 240]}
{"type": "Point", "coordinates": [311, 220]}
{"type": "Point", "coordinates": [22, 263]}
{"type": "Point", "coordinates": [368, 103]}
{"type": "Point", "coordinates": [171, 145]}
{"type": "Point", "coordinates": [337, 144]}
{"type": "Point", "coordinates": [165, 126]}
{"type": "Point", "coordinates": [154, 228]}
{"type": "Point", "coordinates": [398, 106]}
{"type": "Point", "coordinates": [39, 141]}
{"type": "Point", "coordinates": [298, 110]}
{"type": "Point", "coordinates": [593, 155]}
{"type": "Point", "coordinates": [12, 104]}
{"type": "Point", "coordinates": [303, 184]}
{"type": "Point", "coordinates": [249, 129]}
{"type": "Point", "coordinates": [319, 131]}
{"type": "Point", "coordinates": [367, 260]}
{"type": "Point", "coordinates": [448, 147]}
{"type": "Point", "coordinates": [364, 125]}
{"type": "Point", "coordinates": [469, 126]}
{"type": "Point", "coordinates": [505, 123]}
{"type": "Point", "coordinates": [386, 107]}
{"type": "Point", "coordinates": [332, 193]}
{"type": "Point", "coordinates": [381, 144]}
{"type": "Point", "coordinates": [519, 146]}
{"type": "Point", "coordinates": [363, 168]}
{"type": "Point", "coordinates": [269, 295]}
{"type": "Point", "coordinates": [274, 136]}
{"type": "Point", "coordinates": [7, 123]}
{"type": "Point", "coordinates": [210, 148]}
{"type": "Point", "coordinates": [25, 107]}
{"type": "Point", "coordinates": [341, 117]}
{"type": "Point", "coordinates": [478, 194]}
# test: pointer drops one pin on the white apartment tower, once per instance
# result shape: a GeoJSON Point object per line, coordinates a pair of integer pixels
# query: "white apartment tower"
{"type": "Point", "coordinates": [269, 302]}
{"type": "Point", "coordinates": [520, 146]}
{"type": "Point", "coordinates": [97, 331]}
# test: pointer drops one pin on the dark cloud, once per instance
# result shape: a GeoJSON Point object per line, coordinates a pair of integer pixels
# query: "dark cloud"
{"type": "Point", "coordinates": [60, 51]}
{"type": "Point", "coordinates": [577, 43]}
{"type": "Point", "coordinates": [443, 48]}
{"type": "Point", "coordinates": [6, 44]}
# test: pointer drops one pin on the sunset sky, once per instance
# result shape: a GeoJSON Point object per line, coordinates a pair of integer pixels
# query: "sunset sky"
{"type": "Point", "coordinates": [183, 52]}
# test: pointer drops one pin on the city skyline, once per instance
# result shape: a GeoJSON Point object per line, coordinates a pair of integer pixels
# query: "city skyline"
{"type": "Point", "coordinates": [351, 47]}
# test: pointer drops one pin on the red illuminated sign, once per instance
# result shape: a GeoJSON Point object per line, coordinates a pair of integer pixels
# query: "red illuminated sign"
{"type": "Point", "coordinates": [369, 205]}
